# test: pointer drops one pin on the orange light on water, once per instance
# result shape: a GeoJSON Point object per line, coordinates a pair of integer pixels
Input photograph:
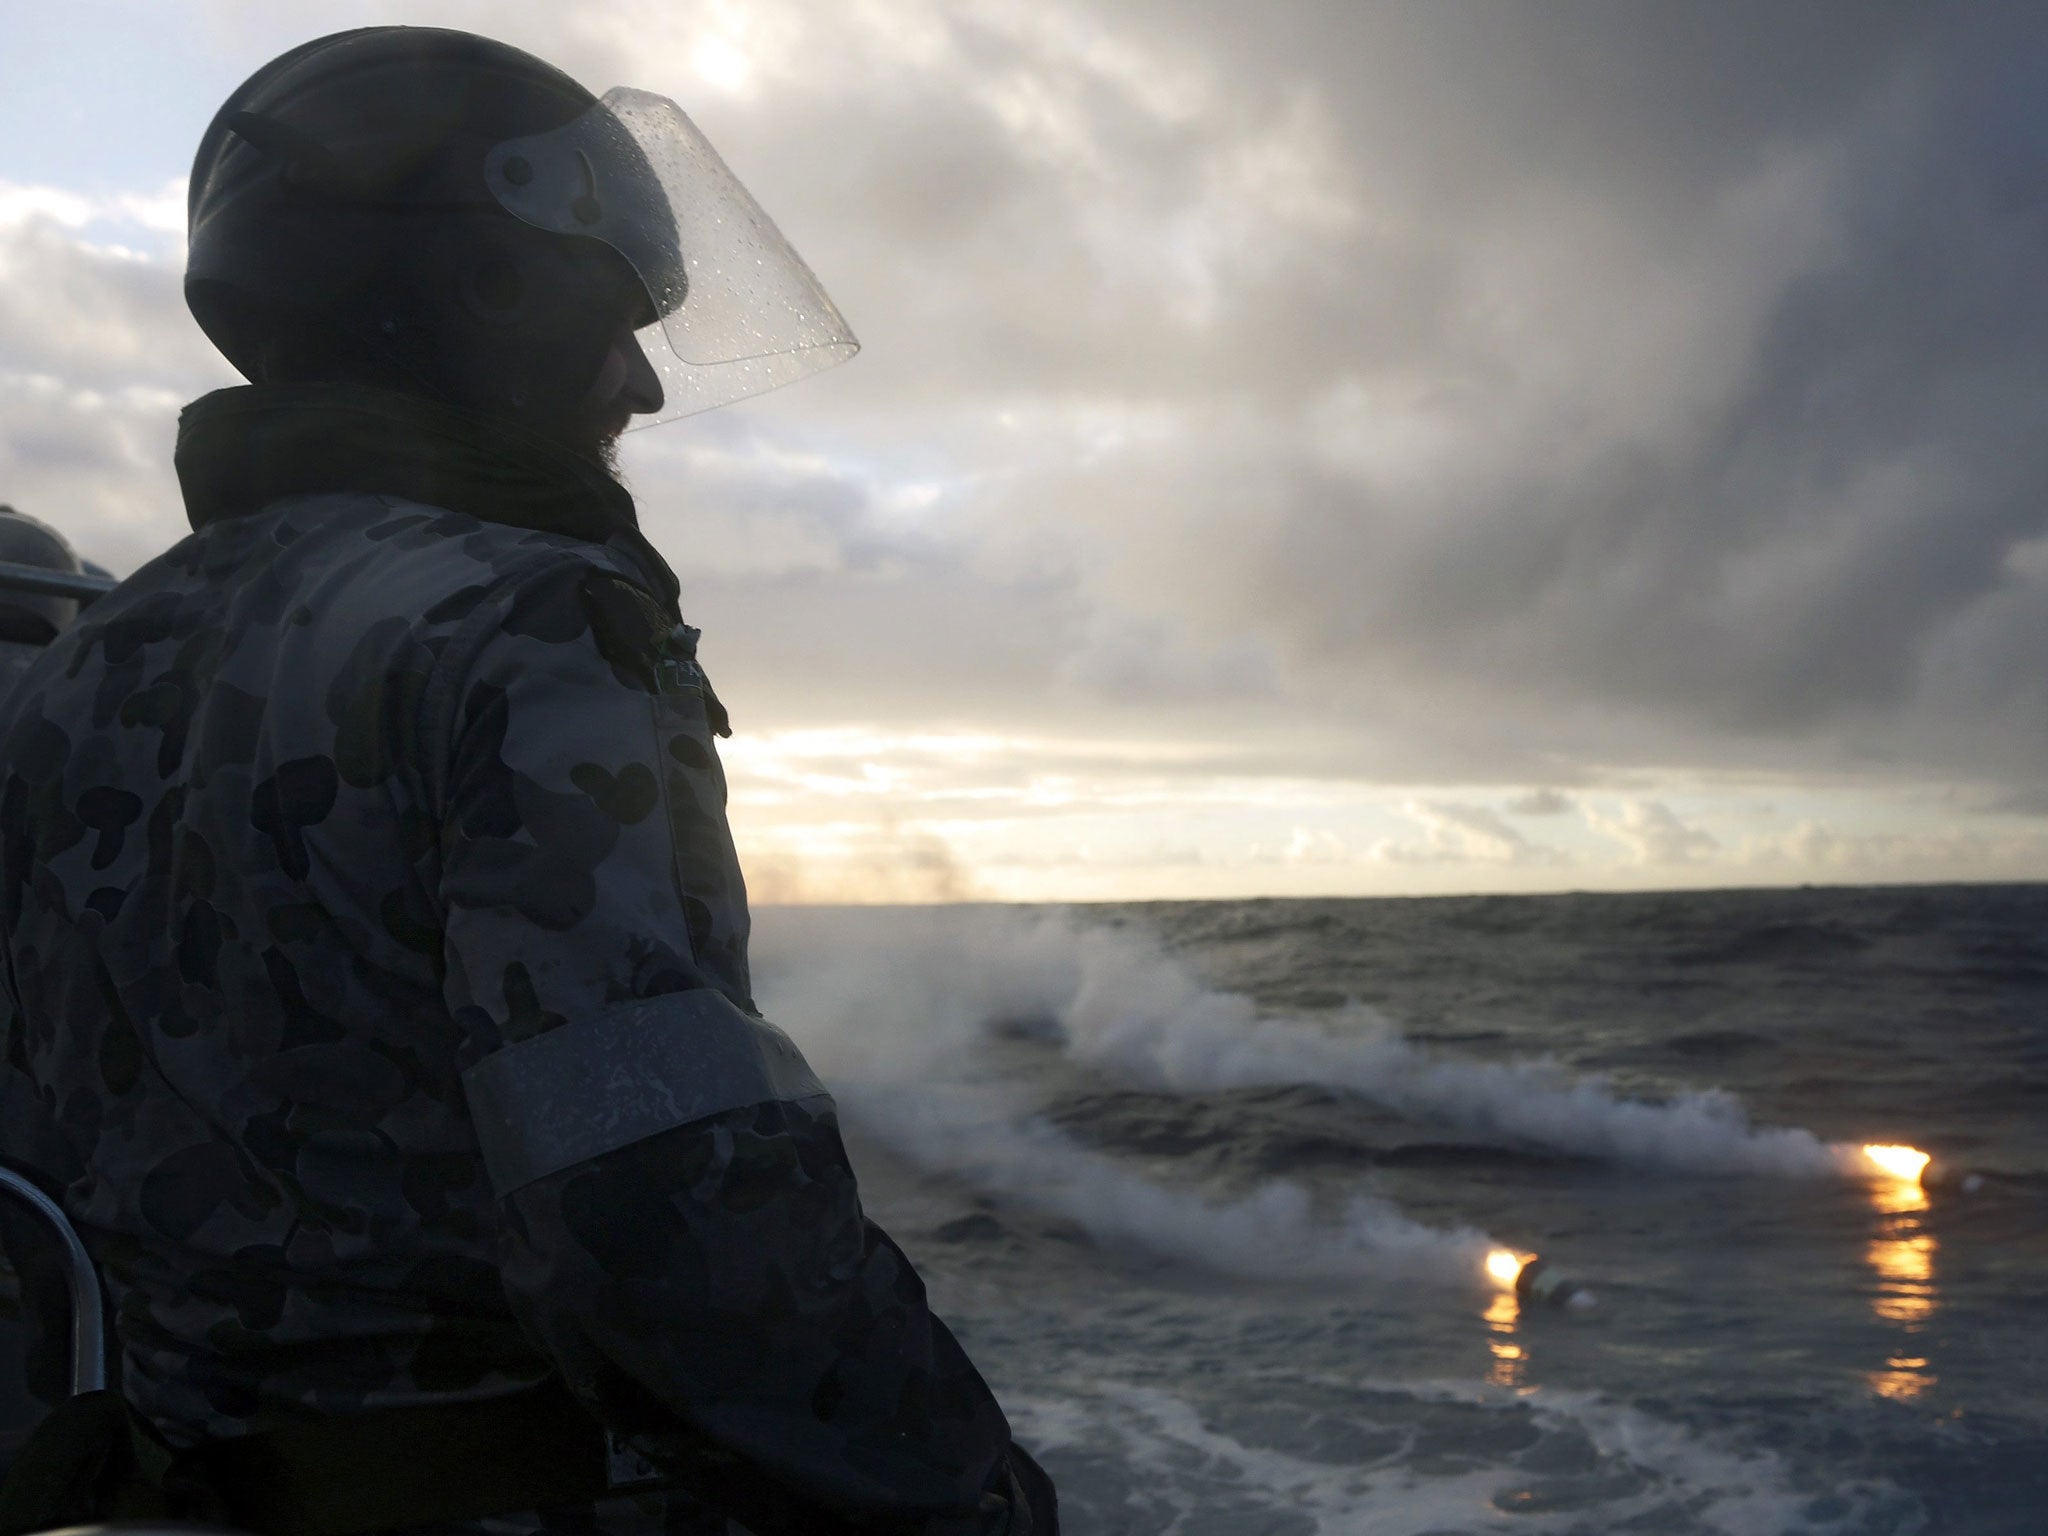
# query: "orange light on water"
{"type": "Point", "coordinates": [1504, 1265]}
{"type": "Point", "coordinates": [1510, 1361]}
{"type": "Point", "coordinates": [1903, 1163]}
{"type": "Point", "coordinates": [1902, 1256]}
{"type": "Point", "coordinates": [1904, 1378]}
{"type": "Point", "coordinates": [1905, 1277]}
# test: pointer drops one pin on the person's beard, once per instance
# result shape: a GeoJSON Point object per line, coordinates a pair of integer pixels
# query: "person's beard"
{"type": "Point", "coordinates": [594, 438]}
{"type": "Point", "coordinates": [603, 444]}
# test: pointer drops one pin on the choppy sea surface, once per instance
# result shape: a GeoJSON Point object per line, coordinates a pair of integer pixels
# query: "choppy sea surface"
{"type": "Point", "coordinates": [1207, 1190]}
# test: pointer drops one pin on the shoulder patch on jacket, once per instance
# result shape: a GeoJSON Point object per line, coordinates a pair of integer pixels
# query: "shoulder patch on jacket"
{"type": "Point", "coordinates": [632, 629]}
{"type": "Point", "coordinates": [648, 645]}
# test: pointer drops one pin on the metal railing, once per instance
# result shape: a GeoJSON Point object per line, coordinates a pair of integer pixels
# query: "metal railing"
{"type": "Point", "coordinates": [88, 1318]}
{"type": "Point", "coordinates": [82, 585]}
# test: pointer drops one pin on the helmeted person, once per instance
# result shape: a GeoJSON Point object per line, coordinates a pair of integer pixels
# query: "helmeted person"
{"type": "Point", "coordinates": [34, 612]}
{"type": "Point", "coordinates": [372, 928]}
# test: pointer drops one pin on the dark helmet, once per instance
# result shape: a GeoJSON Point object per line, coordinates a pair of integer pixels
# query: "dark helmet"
{"type": "Point", "coordinates": [341, 225]}
{"type": "Point", "coordinates": [434, 211]}
{"type": "Point", "coordinates": [34, 618]}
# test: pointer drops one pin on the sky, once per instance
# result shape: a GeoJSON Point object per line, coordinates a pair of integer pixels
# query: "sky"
{"type": "Point", "coordinates": [1325, 448]}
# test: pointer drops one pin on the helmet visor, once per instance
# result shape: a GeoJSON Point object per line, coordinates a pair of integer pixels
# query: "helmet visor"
{"type": "Point", "coordinates": [736, 311]}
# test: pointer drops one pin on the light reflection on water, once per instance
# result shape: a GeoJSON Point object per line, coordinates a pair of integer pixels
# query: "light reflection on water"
{"type": "Point", "coordinates": [1510, 1360]}
{"type": "Point", "coordinates": [1902, 1255]}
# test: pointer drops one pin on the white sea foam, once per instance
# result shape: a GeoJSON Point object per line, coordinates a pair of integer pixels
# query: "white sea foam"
{"type": "Point", "coordinates": [887, 995]}
{"type": "Point", "coordinates": [1175, 1466]}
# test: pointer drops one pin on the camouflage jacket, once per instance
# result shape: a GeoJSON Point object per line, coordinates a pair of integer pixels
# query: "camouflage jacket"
{"type": "Point", "coordinates": [399, 760]}
{"type": "Point", "coordinates": [16, 657]}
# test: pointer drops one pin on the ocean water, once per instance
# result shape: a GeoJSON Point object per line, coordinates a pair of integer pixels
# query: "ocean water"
{"type": "Point", "coordinates": [1207, 1189]}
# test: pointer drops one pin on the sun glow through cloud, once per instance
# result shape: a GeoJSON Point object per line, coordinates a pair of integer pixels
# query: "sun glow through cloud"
{"type": "Point", "coordinates": [718, 62]}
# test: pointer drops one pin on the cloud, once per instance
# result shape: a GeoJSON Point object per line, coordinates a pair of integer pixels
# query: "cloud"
{"type": "Point", "coordinates": [1539, 802]}
{"type": "Point", "coordinates": [95, 465]}
{"type": "Point", "coordinates": [97, 355]}
{"type": "Point", "coordinates": [1465, 834]}
{"type": "Point", "coordinates": [1139, 661]}
{"type": "Point", "coordinates": [1822, 851]}
{"type": "Point", "coordinates": [19, 204]}
{"type": "Point", "coordinates": [1386, 395]}
{"type": "Point", "coordinates": [2032, 801]}
{"type": "Point", "coordinates": [1652, 834]}
{"type": "Point", "coordinates": [159, 214]}
{"type": "Point", "coordinates": [1305, 845]}
{"type": "Point", "coordinates": [104, 319]}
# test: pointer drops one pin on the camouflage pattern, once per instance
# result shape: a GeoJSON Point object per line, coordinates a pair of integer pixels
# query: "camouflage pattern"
{"type": "Point", "coordinates": [331, 800]}
{"type": "Point", "coordinates": [16, 657]}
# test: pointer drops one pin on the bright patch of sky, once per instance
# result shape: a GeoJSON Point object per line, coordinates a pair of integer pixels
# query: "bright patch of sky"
{"type": "Point", "coordinates": [101, 98]}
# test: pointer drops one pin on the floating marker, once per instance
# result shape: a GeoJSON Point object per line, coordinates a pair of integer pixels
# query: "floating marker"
{"type": "Point", "coordinates": [1943, 1176]}
{"type": "Point", "coordinates": [1542, 1284]}
{"type": "Point", "coordinates": [1909, 1165]}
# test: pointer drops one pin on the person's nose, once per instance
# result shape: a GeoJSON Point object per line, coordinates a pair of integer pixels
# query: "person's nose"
{"type": "Point", "coordinates": [642, 390]}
